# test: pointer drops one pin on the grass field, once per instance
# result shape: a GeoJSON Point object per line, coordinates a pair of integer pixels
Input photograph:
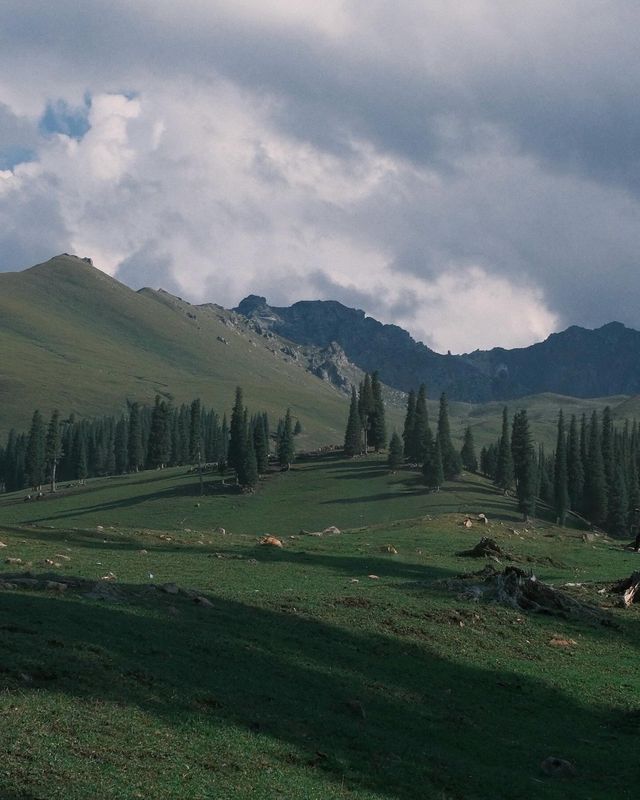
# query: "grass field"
{"type": "Point", "coordinates": [304, 677]}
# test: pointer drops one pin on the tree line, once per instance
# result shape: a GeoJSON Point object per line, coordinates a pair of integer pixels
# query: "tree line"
{"type": "Point", "coordinates": [143, 437]}
{"type": "Point", "coordinates": [593, 471]}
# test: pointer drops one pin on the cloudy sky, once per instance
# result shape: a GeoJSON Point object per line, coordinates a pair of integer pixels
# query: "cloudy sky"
{"type": "Point", "coordinates": [469, 170]}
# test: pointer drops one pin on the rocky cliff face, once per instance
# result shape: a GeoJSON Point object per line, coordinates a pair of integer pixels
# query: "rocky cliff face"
{"type": "Point", "coordinates": [577, 362]}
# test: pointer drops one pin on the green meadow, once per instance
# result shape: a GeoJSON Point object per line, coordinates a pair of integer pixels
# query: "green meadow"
{"type": "Point", "coordinates": [328, 668]}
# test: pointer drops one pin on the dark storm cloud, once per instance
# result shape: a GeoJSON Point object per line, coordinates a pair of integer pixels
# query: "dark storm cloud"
{"type": "Point", "coordinates": [512, 129]}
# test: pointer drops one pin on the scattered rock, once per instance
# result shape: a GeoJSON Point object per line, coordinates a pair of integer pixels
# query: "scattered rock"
{"type": "Point", "coordinates": [202, 601]}
{"type": "Point", "coordinates": [170, 588]}
{"type": "Point", "coordinates": [6, 586]}
{"type": "Point", "coordinates": [467, 523]}
{"type": "Point", "coordinates": [558, 768]}
{"type": "Point", "coordinates": [110, 576]}
{"type": "Point", "coordinates": [588, 537]}
{"type": "Point", "coordinates": [143, 552]}
{"type": "Point", "coordinates": [271, 541]}
{"type": "Point", "coordinates": [55, 586]}
{"type": "Point", "coordinates": [559, 641]}
{"type": "Point", "coordinates": [374, 577]}
{"type": "Point", "coordinates": [2, 544]}
{"type": "Point", "coordinates": [331, 530]}
{"type": "Point", "coordinates": [15, 561]}
{"type": "Point", "coordinates": [483, 519]}
{"type": "Point", "coordinates": [221, 531]}
{"type": "Point", "coordinates": [63, 557]}
{"type": "Point", "coordinates": [389, 548]}
{"type": "Point", "coordinates": [99, 528]}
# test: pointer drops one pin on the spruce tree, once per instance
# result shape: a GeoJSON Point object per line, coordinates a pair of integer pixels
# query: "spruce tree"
{"type": "Point", "coordinates": [421, 431]}
{"type": "Point", "coordinates": [260, 445]}
{"type": "Point", "coordinates": [545, 484]}
{"type": "Point", "coordinates": [524, 464]}
{"type": "Point", "coordinates": [394, 460]}
{"type": "Point", "coordinates": [135, 447]}
{"type": "Point", "coordinates": [606, 440]}
{"type": "Point", "coordinates": [80, 461]}
{"type": "Point", "coordinates": [451, 462]}
{"type": "Point", "coordinates": [237, 434]}
{"type": "Point", "coordinates": [433, 469]}
{"type": "Point", "coordinates": [504, 459]}
{"type": "Point", "coordinates": [195, 432]}
{"type": "Point", "coordinates": [366, 409]}
{"type": "Point", "coordinates": [159, 447]}
{"type": "Point", "coordinates": [408, 434]}
{"type": "Point", "coordinates": [618, 517]}
{"type": "Point", "coordinates": [560, 478]}
{"type": "Point", "coordinates": [286, 447]}
{"type": "Point", "coordinates": [35, 455]}
{"type": "Point", "coordinates": [595, 479]}
{"type": "Point", "coordinates": [575, 467]}
{"type": "Point", "coordinates": [468, 452]}
{"type": "Point", "coordinates": [378, 426]}
{"type": "Point", "coordinates": [248, 474]}
{"type": "Point", "coordinates": [53, 447]}
{"type": "Point", "coordinates": [120, 446]}
{"type": "Point", "coordinates": [352, 436]}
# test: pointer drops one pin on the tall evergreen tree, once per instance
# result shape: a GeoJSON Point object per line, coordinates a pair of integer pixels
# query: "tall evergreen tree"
{"type": "Point", "coordinates": [366, 408]}
{"type": "Point", "coordinates": [524, 464]}
{"type": "Point", "coordinates": [433, 469]}
{"type": "Point", "coordinates": [560, 475]}
{"type": "Point", "coordinates": [237, 434]}
{"type": "Point", "coordinates": [260, 445]}
{"type": "Point", "coordinates": [421, 429]}
{"type": "Point", "coordinates": [120, 446]}
{"type": "Point", "coordinates": [504, 460]}
{"type": "Point", "coordinates": [618, 514]}
{"type": "Point", "coordinates": [35, 455]}
{"type": "Point", "coordinates": [53, 447]}
{"type": "Point", "coordinates": [575, 467]}
{"type": "Point", "coordinates": [394, 460]}
{"type": "Point", "coordinates": [135, 447]}
{"type": "Point", "coordinates": [468, 452]}
{"type": "Point", "coordinates": [408, 434]}
{"type": "Point", "coordinates": [352, 436]}
{"type": "Point", "coordinates": [606, 442]}
{"type": "Point", "coordinates": [545, 484]}
{"type": "Point", "coordinates": [595, 479]}
{"type": "Point", "coordinates": [378, 426]}
{"type": "Point", "coordinates": [159, 447]}
{"type": "Point", "coordinates": [286, 447]}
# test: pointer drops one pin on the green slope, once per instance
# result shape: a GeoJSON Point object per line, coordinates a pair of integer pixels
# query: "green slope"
{"type": "Point", "coordinates": [75, 339]}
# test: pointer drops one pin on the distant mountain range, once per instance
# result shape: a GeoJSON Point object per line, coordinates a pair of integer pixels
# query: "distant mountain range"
{"type": "Point", "coordinates": [577, 362]}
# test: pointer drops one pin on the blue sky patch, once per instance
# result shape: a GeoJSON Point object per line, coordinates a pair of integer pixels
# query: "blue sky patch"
{"type": "Point", "coordinates": [13, 155]}
{"type": "Point", "coordinates": [60, 117]}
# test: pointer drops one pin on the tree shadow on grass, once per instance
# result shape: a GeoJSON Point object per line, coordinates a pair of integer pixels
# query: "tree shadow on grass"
{"type": "Point", "coordinates": [360, 710]}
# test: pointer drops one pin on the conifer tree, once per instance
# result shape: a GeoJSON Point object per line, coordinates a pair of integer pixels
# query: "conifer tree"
{"type": "Point", "coordinates": [504, 460]}
{"type": "Point", "coordinates": [237, 435]}
{"type": "Point", "coordinates": [451, 462]}
{"type": "Point", "coordinates": [595, 479]}
{"type": "Point", "coordinates": [366, 409]}
{"type": "Point", "coordinates": [524, 466]}
{"type": "Point", "coordinates": [618, 516]}
{"type": "Point", "coordinates": [195, 432]}
{"type": "Point", "coordinates": [545, 484]}
{"type": "Point", "coordinates": [408, 434]}
{"type": "Point", "coordinates": [468, 452]}
{"type": "Point", "coordinates": [421, 430]}
{"type": "Point", "coordinates": [606, 440]}
{"type": "Point", "coordinates": [120, 446]}
{"type": "Point", "coordinates": [575, 467]}
{"type": "Point", "coordinates": [248, 473]}
{"type": "Point", "coordinates": [394, 460]}
{"type": "Point", "coordinates": [260, 445]}
{"type": "Point", "coordinates": [35, 455]}
{"type": "Point", "coordinates": [159, 448]}
{"type": "Point", "coordinates": [560, 478]}
{"type": "Point", "coordinates": [135, 448]}
{"type": "Point", "coordinates": [378, 426]}
{"type": "Point", "coordinates": [286, 447]}
{"type": "Point", "coordinates": [297, 430]}
{"type": "Point", "coordinates": [53, 447]}
{"type": "Point", "coordinates": [433, 469]}
{"type": "Point", "coordinates": [352, 436]}
{"type": "Point", "coordinates": [80, 462]}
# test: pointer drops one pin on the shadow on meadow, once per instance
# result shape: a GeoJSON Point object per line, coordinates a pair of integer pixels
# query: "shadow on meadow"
{"type": "Point", "coordinates": [368, 710]}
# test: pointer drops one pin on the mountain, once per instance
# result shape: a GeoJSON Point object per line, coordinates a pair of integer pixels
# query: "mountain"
{"type": "Point", "coordinates": [577, 362]}
{"type": "Point", "coordinates": [73, 338]}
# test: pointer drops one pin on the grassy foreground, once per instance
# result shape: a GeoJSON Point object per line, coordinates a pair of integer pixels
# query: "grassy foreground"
{"type": "Point", "coordinates": [304, 677]}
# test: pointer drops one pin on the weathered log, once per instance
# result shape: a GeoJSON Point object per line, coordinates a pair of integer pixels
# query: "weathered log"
{"type": "Point", "coordinates": [629, 588]}
{"type": "Point", "coordinates": [485, 548]}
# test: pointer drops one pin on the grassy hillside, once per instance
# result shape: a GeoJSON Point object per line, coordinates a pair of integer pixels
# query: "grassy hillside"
{"type": "Point", "coordinates": [73, 338]}
{"type": "Point", "coordinates": [295, 674]}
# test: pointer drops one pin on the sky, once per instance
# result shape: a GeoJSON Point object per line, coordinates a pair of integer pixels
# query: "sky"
{"type": "Point", "coordinates": [467, 169]}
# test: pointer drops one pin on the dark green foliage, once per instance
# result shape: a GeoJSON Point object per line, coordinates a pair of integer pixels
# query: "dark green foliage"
{"type": "Point", "coordinates": [560, 479]}
{"type": "Point", "coordinates": [195, 431]}
{"type": "Point", "coordinates": [286, 447]}
{"type": "Point", "coordinates": [504, 473]}
{"type": "Point", "coordinates": [237, 434]}
{"type": "Point", "coordinates": [606, 444]}
{"type": "Point", "coordinates": [135, 447]}
{"type": "Point", "coordinates": [260, 445]}
{"type": "Point", "coordinates": [53, 447]}
{"type": "Point", "coordinates": [408, 434]}
{"type": "Point", "coordinates": [394, 460]}
{"type": "Point", "coordinates": [35, 455]}
{"type": "Point", "coordinates": [121, 453]}
{"type": "Point", "coordinates": [524, 464]}
{"type": "Point", "coordinates": [159, 452]}
{"type": "Point", "coordinates": [433, 469]}
{"type": "Point", "coordinates": [421, 431]}
{"type": "Point", "coordinates": [353, 432]}
{"type": "Point", "coordinates": [618, 511]}
{"type": "Point", "coordinates": [366, 408]}
{"type": "Point", "coordinates": [596, 505]}
{"type": "Point", "coordinates": [468, 452]}
{"type": "Point", "coordinates": [451, 461]}
{"type": "Point", "coordinates": [377, 422]}
{"type": "Point", "coordinates": [248, 472]}
{"type": "Point", "coordinates": [545, 484]}
{"type": "Point", "coordinates": [297, 430]}
{"type": "Point", "coordinates": [489, 461]}
{"type": "Point", "coordinates": [575, 467]}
